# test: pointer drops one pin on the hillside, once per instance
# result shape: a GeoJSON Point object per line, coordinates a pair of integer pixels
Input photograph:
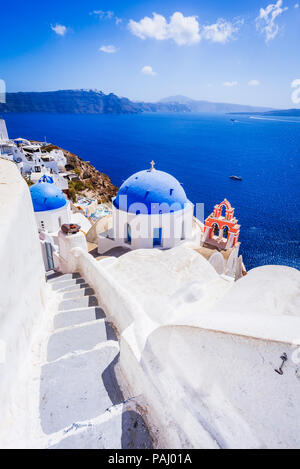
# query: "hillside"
{"type": "Point", "coordinates": [81, 102]}
{"type": "Point", "coordinates": [97, 102]}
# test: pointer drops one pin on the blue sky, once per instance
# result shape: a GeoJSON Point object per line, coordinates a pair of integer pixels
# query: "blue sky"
{"type": "Point", "coordinates": [240, 52]}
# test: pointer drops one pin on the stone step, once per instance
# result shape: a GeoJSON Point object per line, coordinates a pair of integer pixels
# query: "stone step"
{"type": "Point", "coordinates": [79, 293]}
{"type": "Point", "coordinates": [67, 283]}
{"type": "Point", "coordinates": [80, 337]}
{"type": "Point", "coordinates": [73, 317]}
{"type": "Point", "coordinates": [78, 388]}
{"type": "Point", "coordinates": [124, 430]}
{"type": "Point", "coordinates": [59, 277]}
{"type": "Point", "coordinates": [74, 287]}
{"type": "Point", "coordinates": [52, 274]}
{"type": "Point", "coordinates": [75, 303]}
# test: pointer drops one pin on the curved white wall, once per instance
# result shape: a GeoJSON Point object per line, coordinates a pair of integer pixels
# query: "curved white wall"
{"type": "Point", "coordinates": [175, 227]}
{"type": "Point", "coordinates": [51, 220]}
{"type": "Point", "coordinates": [216, 390]}
{"type": "Point", "coordinates": [22, 298]}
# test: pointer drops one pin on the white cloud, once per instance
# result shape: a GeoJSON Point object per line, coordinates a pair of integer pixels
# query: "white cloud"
{"type": "Point", "coordinates": [181, 29]}
{"type": "Point", "coordinates": [222, 31]}
{"type": "Point", "coordinates": [109, 49]}
{"type": "Point", "coordinates": [230, 83]}
{"type": "Point", "coordinates": [147, 70]}
{"type": "Point", "coordinates": [253, 83]}
{"type": "Point", "coordinates": [103, 14]}
{"type": "Point", "coordinates": [59, 29]}
{"type": "Point", "coordinates": [296, 93]}
{"type": "Point", "coordinates": [106, 15]}
{"type": "Point", "coordinates": [265, 22]}
{"type": "Point", "coordinates": [296, 5]}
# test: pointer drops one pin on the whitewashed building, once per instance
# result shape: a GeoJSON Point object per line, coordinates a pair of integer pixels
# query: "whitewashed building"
{"type": "Point", "coordinates": [29, 156]}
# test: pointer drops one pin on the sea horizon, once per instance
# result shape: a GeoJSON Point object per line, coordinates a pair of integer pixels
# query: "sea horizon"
{"type": "Point", "coordinates": [202, 151]}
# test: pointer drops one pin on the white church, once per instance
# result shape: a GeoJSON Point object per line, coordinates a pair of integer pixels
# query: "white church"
{"type": "Point", "coordinates": [51, 207]}
{"type": "Point", "coordinates": [151, 210]}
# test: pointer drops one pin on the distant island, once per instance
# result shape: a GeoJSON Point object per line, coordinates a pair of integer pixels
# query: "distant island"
{"type": "Point", "coordinates": [97, 102]}
{"type": "Point", "coordinates": [211, 107]}
{"type": "Point", "coordinates": [275, 113]}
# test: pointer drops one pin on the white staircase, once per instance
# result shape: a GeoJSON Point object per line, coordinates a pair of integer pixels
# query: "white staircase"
{"type": "Point", "coordinates": [81, 403]}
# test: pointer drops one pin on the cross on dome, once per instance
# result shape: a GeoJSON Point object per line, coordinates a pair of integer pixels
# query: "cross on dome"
{"type": "Point", "coordinates": [152, 165]}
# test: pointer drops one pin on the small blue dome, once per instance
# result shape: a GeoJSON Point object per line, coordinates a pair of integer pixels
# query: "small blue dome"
{"type": "Point", "coordinates": [46, 178]}
{"type": "Point", "coordinates": [46, 196]}
{"type": "Point", "coordinates": [151, 187]}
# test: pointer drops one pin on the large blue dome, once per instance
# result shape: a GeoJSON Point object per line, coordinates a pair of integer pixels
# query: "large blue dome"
{"type": "Point", "coordinates": [46, 196]}
{"type": "Point", "coordinates": [151, 187]}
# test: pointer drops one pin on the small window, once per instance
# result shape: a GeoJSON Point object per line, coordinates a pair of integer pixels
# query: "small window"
{"type": "Point", "coordinates": [182, 231]}
{"type": "Point", "coordinates": [128, 233]}
{"type": "Point", "coordinates": [157, 236]}
{"type": "Point", "coordinates": [42, 225]}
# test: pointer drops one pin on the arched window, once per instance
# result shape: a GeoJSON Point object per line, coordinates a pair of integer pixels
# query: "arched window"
{"type": "Point", "coordinates": [225, 232]}
{"type": "Point", "coordinates": [223, 210]}
{"type": "Point", "coordinates": [128, 233]}
{"type": "Point", "coordinates": [215, 229]}
{"type": "Point", "coordinates": [157, 236]}
{"type": "Point", "coordinates": [182, 231]}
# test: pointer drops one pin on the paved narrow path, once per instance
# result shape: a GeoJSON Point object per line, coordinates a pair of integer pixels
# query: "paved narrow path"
{"type": "Point", "coordinates": [81, 403]}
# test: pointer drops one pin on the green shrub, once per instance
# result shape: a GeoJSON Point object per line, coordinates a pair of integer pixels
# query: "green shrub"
{"type": "Point", "coordinates": [72, 193]}
{"type": "Point", "coordinates": [78, 186]}
{"type": "Point", "coordinates": [29, 182]}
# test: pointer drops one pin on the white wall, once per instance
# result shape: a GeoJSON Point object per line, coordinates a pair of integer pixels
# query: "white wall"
{"type": "Point", "coordinates": [173, 225]}
{"type": "Point", "coordinates": [142, 227]}
{"type": "Point", "coordinates": [211, 389]}
{"type": "Point", "coordinates": [22, 298]}
{"type": "Point", "coordinates": [51, 220]}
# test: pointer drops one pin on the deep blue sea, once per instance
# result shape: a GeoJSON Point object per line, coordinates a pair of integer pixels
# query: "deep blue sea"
{"type": "Point", "coordinates": [201, 151]}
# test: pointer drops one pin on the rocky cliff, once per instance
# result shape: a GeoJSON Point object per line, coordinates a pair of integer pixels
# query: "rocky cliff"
{"type": "Point", "coordinates": [90, 182]}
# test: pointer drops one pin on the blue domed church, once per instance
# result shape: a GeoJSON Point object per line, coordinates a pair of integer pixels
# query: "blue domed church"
{"type": "Point", "coordinates": [151, 210]}
{"type": "Point", "coordinates": [51, 207]}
